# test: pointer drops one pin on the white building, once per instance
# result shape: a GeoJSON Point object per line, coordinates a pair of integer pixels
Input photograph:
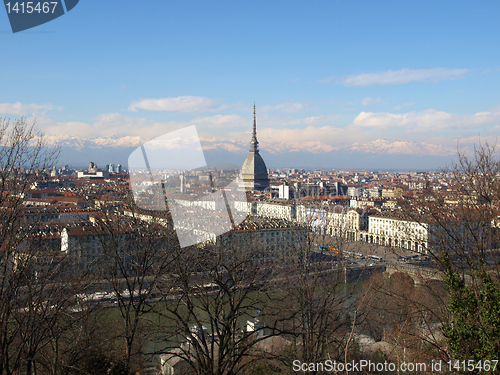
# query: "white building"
{"type": "Point", "coordinates": [397, 232]}
{"type": "Point", "coordinates": [91, 175]}
{"type": "Point", "coordinates": [355, 191]}
{"type": "Point", "coordinates": [157, 217]}
{"type": "Point", "coordinates": [271, 238]}
{"type": "Point", "coordinates": [85, 244]}
{"type": "Point", "coordinates": [347, 224]}
{"type": "Point", "coordinates": [276, 210]}
{"type": "Point", "coordinates": [284, 191]}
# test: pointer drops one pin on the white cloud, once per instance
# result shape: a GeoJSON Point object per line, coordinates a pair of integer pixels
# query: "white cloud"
{"type": "Point", "coordinates": [428, 120]}
{"type": "Point", "coordinates": [430, 132]}
{"type": "Point", "coordinates": [110, 130]}
{"type": "Point", "coordinates": [284, 107]}
{"type": "Point", "coordinates": [314, 120]}
{"type": "Point", "coordinates": [184, 104]}
{"type": "Point", "coordinates": [20, 109]}
{"type": "Point", "coordinates": [381, 120]}
{"type": "Point", "coordinates": [384, 146]}
{"type": "Point", "coordinates": [120, 142]}
{"type": "Point", "coordinates": [279, 140]}
{"type": "Point", "coordinates": [222, 145]}
{"type": "Point", "coordinates": [487, 117]}
{"type": "Point", "coordinates": [318, 140]}
{"type": "Point", "coordinates": [115, 130]}
{"type": "Point", "coordinates": [398, 77]}
{"type": "Point", "coordinates": [413, 121]}
{"type": "Point", "coordinates": [315, 147]}
{"type": "Point", "coordinates": [222, 121]}
{"type": "Point", "coordinates": [319, 120]}
{"type": "Point", "coordinates": [310, 139]}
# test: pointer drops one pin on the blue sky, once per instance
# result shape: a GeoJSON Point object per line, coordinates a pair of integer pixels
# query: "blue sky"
{"type": "Point", "coordinates": [337, 84]}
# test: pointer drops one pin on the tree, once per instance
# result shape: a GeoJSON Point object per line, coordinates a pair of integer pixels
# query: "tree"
{"type": "Point", "coordinates": [473, 328]}
{"type": "Point", "coordinates": [216, 290]}
{"type": "Point", "coordinates": [135, 260]}
{"type": "Point", "coordinates": [463, 240]}
{"type": "Point", "coordinates": [387, 304]}
{"type": "Point", "coordinates": [405, 315]}
{"type": "Point", "coordinates": [314, 307]}
{"type": "Point", "coordinates": [24, 156]}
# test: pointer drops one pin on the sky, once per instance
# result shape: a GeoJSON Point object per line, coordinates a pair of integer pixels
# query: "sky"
{"type": "Point", "coordinates": [337, 84]}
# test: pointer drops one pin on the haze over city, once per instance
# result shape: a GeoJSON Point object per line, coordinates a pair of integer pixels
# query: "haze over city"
{"type": "Point", "coordinates": [367, 85]}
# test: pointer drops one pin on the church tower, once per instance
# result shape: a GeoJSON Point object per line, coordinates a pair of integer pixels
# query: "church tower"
{"type": "Point", "coordinates": [254, 170]}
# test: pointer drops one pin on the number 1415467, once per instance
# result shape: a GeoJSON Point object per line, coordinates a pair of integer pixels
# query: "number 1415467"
{"type": "Point", "coordinates": [31, 7]}
{"type": "Point", "coordinates": [471, 365]}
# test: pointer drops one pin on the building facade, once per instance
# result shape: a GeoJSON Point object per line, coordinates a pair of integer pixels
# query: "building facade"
{"type": "Point", "coordinates": [254, 171]}
{"type": "Point", "coordinates": [397, 232]}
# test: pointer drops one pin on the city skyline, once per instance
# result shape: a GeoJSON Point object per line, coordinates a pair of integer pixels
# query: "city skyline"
{"type": "Point", "coordinates": [337, 86]}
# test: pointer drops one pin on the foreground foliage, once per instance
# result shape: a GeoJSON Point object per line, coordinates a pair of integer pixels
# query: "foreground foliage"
{"type": "Point", "coordinates": [473, 331]}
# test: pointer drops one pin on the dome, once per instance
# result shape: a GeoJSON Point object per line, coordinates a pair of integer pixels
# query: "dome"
{"type": "Point", "coordinates": [254, 170]}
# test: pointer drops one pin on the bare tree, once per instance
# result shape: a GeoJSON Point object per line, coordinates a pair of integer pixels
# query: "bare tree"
{"type": "Point", "coordinates": [462, 222]}
{"type": "Point", "coordinates": [46, 311]}
{"type": "Point", "coordinates": [24, 156]}
{"type": "Point", "coordinates": [134, 262]}
{"type": "Point", "coordinates": [315, 303]}
{"type": "Point", "coordinates": [217, 289]}
{"type": "Point", "coordinates": [405, 315]}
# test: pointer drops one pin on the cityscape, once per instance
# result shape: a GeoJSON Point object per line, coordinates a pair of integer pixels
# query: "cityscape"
{"type": "Point", "coordinates": [249, 188]}
{"type": "Point", "coordinates": [97, 241]}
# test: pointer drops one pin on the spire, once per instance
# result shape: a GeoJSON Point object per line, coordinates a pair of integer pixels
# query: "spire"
{"type": "Point", "coordinates": [254, 144]}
